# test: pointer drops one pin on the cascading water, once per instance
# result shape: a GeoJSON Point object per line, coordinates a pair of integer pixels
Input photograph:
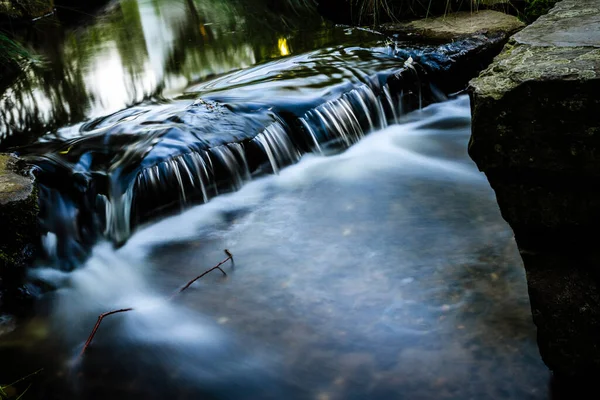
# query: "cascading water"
{"type": "Point", "coordinates": [149, 161]}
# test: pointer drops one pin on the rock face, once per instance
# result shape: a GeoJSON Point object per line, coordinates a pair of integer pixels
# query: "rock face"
{"type": "Point", "coordinates": [536, 135]}
{"type": "Point", "coordinates": [19, 233]}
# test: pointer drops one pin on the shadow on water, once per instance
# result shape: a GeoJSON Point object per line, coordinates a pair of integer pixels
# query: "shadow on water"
{"type": "Point", "coordinates": [383, 272]}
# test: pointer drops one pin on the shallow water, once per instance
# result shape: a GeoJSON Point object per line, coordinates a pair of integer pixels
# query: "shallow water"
{"type": "Point", "coordinates": [383, 272]}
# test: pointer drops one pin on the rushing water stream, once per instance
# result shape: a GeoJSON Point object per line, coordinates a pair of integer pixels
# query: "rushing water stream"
{"type": "Point", "coordinates": [383, 272]}
{"type": "Point", "coordinates": [371, 260]}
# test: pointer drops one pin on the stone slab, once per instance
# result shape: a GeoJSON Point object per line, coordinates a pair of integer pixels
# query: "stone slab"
{"type": "Point", "coordinates": [457, 25]}
{"type": "Point", "coordinates": [571, 23]}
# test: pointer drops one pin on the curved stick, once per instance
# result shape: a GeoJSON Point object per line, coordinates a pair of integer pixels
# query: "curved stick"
{"type": "Point", "coordinates": [100, 318]}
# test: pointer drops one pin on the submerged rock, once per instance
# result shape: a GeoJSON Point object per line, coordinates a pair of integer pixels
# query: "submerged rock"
{"type": "Point", "coordinates": [536, 136]}
{"type": "Point", "coordinates": [19, 232]}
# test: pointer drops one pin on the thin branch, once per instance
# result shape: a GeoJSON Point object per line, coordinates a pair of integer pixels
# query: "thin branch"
{"type": "Point", "coordinates": [218, 266]}
{"type": "Point", "coordinates": [100, 318]}
{"type": "Point", "coordinates": [201, 275]}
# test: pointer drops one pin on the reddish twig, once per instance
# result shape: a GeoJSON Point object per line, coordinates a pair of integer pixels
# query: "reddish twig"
{"type": "Point", "coordinates": [106, 314]}
{"type": "Point", "coordinates": [218, 266]}
{"type": "Point", "coordinates": [100, 318]}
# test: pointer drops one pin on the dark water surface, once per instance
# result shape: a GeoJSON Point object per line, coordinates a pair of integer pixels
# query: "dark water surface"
{"type": "Point", "coordinates": [146, 49]}
{"type": "Point", "coordinates": [376, 267]}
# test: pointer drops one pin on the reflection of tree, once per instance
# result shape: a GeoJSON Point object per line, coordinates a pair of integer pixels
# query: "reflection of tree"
{"type": "Point", "coordinates": [208, 37]}
{"type": "Point", "coordinates": [219, 35]}
{"type": "Point", "coordinates": [129, 37]}
{"type": "Point", "coordinates": [44, 97]}
{"type": "Point", "coordinates": [207, 42]}
{"type": "Point", "coordinates": [131, 45]}
{"type": "Point", "coordinates": [56, 93]}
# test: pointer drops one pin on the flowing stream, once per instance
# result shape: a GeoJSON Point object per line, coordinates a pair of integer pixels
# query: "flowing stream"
{"type": "Point", "coordinates": [370, 258]}
{"type": "Point", "coordinates": [385, 271]}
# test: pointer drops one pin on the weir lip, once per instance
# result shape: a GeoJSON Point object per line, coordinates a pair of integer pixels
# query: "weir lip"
{"type": "Point", "coordinates": [150, 160]}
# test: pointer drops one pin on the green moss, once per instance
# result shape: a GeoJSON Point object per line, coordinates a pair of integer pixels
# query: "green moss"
{"type": "Point", "coordinates": [19, 234]}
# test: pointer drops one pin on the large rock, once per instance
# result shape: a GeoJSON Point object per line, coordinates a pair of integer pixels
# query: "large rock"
{"type": "Point", "coordinates": [19, 232]}
{"type": "Point", "coordinates": [536, 135]}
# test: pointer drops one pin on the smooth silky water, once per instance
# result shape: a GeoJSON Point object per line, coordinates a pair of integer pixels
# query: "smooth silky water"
{"type": "Point", "coordinates": [385, 271]}
{"type": "Point", "coordinates": [376, 267]}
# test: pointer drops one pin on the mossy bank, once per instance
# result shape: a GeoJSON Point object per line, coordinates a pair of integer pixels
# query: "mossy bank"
{"type": "Point", "coordinates": [19, 232]}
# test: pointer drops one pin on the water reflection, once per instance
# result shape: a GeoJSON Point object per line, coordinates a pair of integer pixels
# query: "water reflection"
{"type": "Point", "coordinates": [141, 49]}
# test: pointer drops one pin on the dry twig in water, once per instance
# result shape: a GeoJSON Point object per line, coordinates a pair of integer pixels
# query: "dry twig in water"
{"type": "Point", "coordinates": [100, 318]}
{"type": "Point", "coordinates": [218, 266]}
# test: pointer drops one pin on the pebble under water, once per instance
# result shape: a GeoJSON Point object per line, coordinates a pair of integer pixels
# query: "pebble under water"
{"type": "Point", "coordinates": [382, 272]}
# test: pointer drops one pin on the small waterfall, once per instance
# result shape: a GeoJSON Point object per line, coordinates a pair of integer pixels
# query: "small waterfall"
{"type": "Point", "coordinates": [163, 161]}
{"type": "Point", "coordinates": [346, 120]}
{"type": "Point", "coordinates": [118, 210]}
{"type": "Point", "coordinates": [278, 146]}
{"type": "Point", "coordinates": [196, 177]}
{"type": "Point", "coordinates": [187, 179]}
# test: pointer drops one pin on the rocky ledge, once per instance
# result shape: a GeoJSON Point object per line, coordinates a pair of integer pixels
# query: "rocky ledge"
{"type": "Point", "coordinates": [19, 233]}
{"type": "Point", "coordinates": [536, 135]}
{"type": "Point", "coordinates": [458, 25]}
